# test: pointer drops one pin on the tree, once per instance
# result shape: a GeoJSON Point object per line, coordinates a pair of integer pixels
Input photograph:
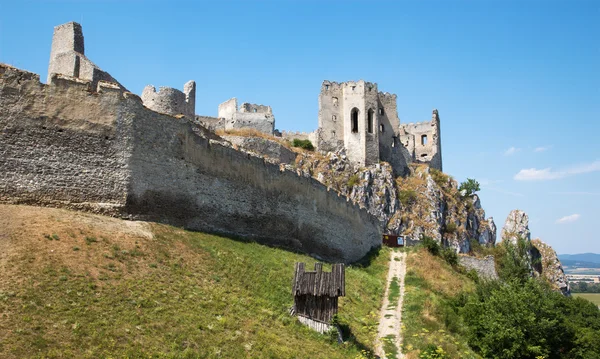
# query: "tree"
{"type": "Point", "coordinates": [470, 186]}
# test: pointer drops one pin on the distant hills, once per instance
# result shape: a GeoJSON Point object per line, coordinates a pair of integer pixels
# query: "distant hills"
{"type": "Point", "coordinates": [583, 257]}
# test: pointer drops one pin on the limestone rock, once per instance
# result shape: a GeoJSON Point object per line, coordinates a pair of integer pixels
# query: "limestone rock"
{"type": "Point", "coordinates": [516, 226]}
{"type": "Point", "coordinates": [550, 267]}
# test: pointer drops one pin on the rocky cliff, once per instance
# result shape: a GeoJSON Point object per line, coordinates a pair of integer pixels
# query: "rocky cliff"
{"type": "Point", "coordinates": [543, 260]}
{"type": "Point", "coordinates": [426, 202]}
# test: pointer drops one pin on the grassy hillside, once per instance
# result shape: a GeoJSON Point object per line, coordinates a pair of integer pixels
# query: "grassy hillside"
{"type": "Point", "coordinates": [86, 286]}
{"type": "Point", "coordinates": [431, 328]}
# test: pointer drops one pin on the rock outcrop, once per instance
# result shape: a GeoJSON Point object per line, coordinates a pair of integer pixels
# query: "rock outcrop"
{"type": "Point", "coordinates": [426, 202]}
{"type": "Point", "coordinates": [551, 268]}
{"type": "Point", "coordinates": [542, 259]}
{"type": "Point", "coordinates": [516, 226]}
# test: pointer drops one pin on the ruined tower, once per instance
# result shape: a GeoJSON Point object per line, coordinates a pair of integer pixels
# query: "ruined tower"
{"type": "Point", "coordinates": [171, 101]}
{"type": "Point", "coordinates": [364, 122]}
{"type": "Point", "coordinates": [67, 56]}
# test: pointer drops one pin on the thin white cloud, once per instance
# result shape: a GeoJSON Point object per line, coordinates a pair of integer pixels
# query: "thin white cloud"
{"type": "Point", "coordinates": [511, 151]}
{"type": "Point", "coordinates": [542, 148]}
{"type": "Point", "coordinates": [568, 219]}
{"type": "Point", "coordinates": [577, 193]}
{"type": "Point", "coordinates": [533, 174]}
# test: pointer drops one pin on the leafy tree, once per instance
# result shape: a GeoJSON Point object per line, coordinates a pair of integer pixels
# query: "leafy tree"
{"type": "Point", "coordinates": [513, 260]}
{"type": "Point", "coordinates": [470, 186]}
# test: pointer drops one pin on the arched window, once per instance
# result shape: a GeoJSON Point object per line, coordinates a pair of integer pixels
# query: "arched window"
{"type": "Point", "coordinates": [354, 119]}
{"type": "Point", "coordinates": [381, 128]}
{"type": "Point", "coordinates": [423, 140]}
{"type": "Point", "coordinates": [370, 121]}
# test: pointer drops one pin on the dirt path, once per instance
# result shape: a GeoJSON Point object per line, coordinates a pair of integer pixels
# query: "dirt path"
{"type": "Point", "coordinates": [389, 337]}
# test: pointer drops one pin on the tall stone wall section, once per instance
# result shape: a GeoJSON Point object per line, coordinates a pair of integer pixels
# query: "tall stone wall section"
{"type": "Point", "coordinates": [61, 145]}
{"type": "Point", "coordinates": [65, 145]}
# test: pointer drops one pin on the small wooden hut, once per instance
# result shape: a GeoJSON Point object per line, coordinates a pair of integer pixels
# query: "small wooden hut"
{"type": "Point", "coordinates": [316, 294]}
{"type": "Point", "coordinates": [392, 240]}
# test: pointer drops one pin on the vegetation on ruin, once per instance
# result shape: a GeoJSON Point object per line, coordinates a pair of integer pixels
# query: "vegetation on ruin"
{"type": "Point", "coordinates": [147, 290]}
{"type": "Point", "coordinates": [306, 144]}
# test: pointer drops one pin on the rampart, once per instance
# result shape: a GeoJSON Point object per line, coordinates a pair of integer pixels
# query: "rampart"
{"type": "Point", "coordinates": [66, 144]}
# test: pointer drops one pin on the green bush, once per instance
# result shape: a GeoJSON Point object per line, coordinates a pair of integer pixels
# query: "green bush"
{"type": "Point", "coordinates": [431, 245]}
{"type": "Point", "coordinates": [450, 256]}
{"type": "Point", "coordinates": [512, 260]}
{"type": "Point", "coordinates": [407, 197]}
{"type": "Point", "coordinates": [353, 180]}
{"type": "Point", "coordinates": [451, 228]}
{"type": "Point", "coordinates": [306, 144]}
{"type": "Point", "coordinates": [470, 186]}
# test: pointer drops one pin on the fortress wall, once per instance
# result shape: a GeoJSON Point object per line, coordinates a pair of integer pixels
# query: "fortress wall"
{"type": "Point", "coordinates": [485, 267]}
{"type": "Point", "coordinates": [254, 108]}
{"type": "Point", "coordinates": [66, 145]}
{"type": "Point", "coordinates": [61, 144]}
{"type": "Point", "coordinates": [190, 181]}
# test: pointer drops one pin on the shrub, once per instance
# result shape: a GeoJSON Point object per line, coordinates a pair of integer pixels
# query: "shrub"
{"type": "Point", "coordinates": [451, 228]}
{"type": "Point", "coordinates": [439, 177]}
{"type": "Point", "coordinates": [431, 245]}
{"type": "Point", "coordinates": [512, 260]}
{"type": "Point", "coordinates": [433, 352]}
{"type": "Point", "coordinates": [450, 256]}
{"type": "Point", "coordinates": [353, 180]}
{"type": "Point", "coordinates": [306, 144]}
{"type": "Point", "coordinates": [407, 197]}
{"type": "Point", "coordinates": [470, 186]}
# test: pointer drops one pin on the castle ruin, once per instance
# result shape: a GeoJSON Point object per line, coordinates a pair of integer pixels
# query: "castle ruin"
{"type": "Point", "coordinates": [82, 141]}
{"type": "Point", "coordinates": [248, 115]}
{"type": "Point", "coordinates": [357, 117]}
{"type": "Point", "coordinates": [67, 57]}
{"type": "Point", "coordinates": [171, 101]}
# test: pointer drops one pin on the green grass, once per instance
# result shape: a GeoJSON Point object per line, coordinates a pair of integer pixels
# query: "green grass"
{"type": "Point", "coordinates": [427, 317]}
{"type": "Point", "coordinates": [389, 347]}
{"type": "Point", "coordinates": [592, 297]}
{"type": "Point", "coordinates": [178, 295]}
{"type": "Point", "coordinates": [394, 293]}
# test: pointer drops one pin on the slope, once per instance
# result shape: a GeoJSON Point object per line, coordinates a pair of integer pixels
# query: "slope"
{"type": "Point", "coordinates": [80, 285]}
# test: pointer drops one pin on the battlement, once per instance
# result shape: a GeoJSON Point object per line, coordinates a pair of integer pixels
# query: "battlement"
{"type": "Point", "coordinates": [171, 101]}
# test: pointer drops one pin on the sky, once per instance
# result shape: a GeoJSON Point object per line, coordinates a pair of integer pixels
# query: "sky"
{"type": "Point", "coordinates": [516, 83]}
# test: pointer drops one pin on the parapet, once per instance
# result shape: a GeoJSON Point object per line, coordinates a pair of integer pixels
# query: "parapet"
{"type": "Point", "coordinates": [171, 101]}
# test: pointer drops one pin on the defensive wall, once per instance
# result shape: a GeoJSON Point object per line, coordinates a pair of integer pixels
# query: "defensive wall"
{"type": "Point", "coordinates": [171, 101]}
{"type": "Point", "coordinates": [98, 148]}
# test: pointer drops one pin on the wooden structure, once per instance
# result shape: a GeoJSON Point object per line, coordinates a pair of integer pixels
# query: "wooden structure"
{"type": "Point", "coordinates": [392, 240]}
{"type": "Point", "coordinates": [316, 294]}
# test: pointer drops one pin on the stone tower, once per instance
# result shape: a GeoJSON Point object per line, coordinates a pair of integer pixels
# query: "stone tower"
{"type": "Point", "coordinates": [171, 101]}
{"type": "Point", "coordinates": [67, 57]}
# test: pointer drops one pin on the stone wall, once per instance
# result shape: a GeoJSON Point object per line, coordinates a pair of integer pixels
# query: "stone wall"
{"type": "Point", "coordinates": [171, 101]}
{"type": "Point", "coordinates": [62, 145]}
{"type": "Point", "coordinates": [248, 116]}
{"type": "Point", "coordinates": [485, 267]}
{"type": "Point", "coordinates": [65, 145]}
{"type": "Point", "coordinates": [423, 141]}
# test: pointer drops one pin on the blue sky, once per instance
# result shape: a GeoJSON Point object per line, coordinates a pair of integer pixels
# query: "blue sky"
{"type": "Point", "coordinates": [516, 83]}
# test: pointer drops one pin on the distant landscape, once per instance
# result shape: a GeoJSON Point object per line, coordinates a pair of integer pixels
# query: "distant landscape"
{"type": "Point", "coordinates": [584, 263]}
